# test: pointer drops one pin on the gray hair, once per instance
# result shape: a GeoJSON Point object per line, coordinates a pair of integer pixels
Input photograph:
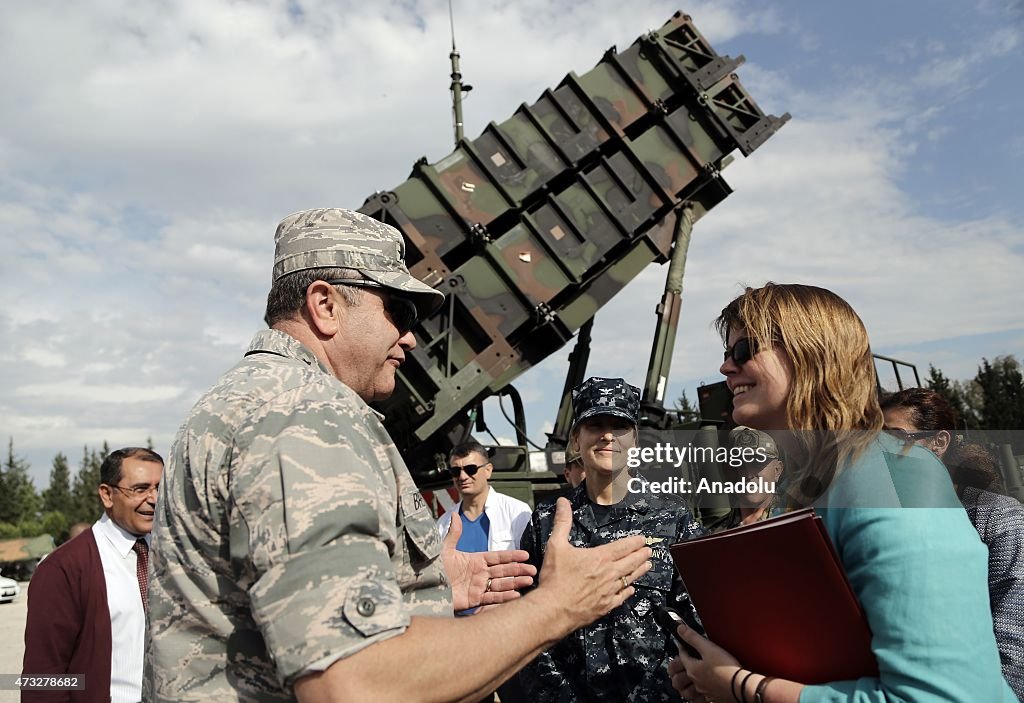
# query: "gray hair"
{"type": "Point", "coordinates": [288, 293]}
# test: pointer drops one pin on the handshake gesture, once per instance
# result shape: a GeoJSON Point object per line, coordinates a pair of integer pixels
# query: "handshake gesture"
{"type": "Point", "coordinates": [584, 583]}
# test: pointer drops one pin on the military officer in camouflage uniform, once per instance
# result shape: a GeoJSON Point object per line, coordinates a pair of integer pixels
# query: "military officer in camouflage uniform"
{"type": "Point", "coordinates": [765, 470]}
{"type": "Point", "coordinates": [624, 655]}
{"type": "Point", "coordinates": [573, 473]}
{"type": "Point", "coordinates": [293, 557]}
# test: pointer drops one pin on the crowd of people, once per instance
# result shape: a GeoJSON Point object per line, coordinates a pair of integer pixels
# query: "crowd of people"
{"type": "Point", "coordinates": [285, 553]}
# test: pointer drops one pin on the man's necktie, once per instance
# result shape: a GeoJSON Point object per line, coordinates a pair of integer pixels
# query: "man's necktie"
{"type": "Point", "coordinates": [142, 570]}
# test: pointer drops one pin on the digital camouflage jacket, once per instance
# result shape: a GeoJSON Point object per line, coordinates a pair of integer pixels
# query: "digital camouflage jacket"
{"type": "Point", "coordinates": [289, 534]}
{"type": "Point", "coordinates": [622, 657]}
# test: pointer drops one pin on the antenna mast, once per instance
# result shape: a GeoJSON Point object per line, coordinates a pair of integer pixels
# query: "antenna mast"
{"type": "Point", "coordinates": [457, 87]}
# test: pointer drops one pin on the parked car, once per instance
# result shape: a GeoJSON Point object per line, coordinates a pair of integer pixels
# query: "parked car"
{"type": "Point", "coordinates": [9, 589]}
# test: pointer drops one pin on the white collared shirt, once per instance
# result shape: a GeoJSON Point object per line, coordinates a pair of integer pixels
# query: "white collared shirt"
{"type": "Point", "coordinates": [127, 616]}
{"type": "Point", "coordinates": [508, 517]}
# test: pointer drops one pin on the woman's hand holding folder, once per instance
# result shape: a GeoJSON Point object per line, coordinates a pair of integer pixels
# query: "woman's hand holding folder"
{"type": "Point", "coordinates": [717, 677]}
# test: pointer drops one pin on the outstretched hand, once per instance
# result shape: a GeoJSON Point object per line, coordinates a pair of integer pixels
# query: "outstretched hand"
{"type": "Point", "coordinates": [587, 583]}
{"type": "Point", "coordinates": [483, 578]}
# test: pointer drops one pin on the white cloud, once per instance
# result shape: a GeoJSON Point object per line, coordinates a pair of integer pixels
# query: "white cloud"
{"type": "Point", "coordinates": [145, 170]}
{"type": "Point", "coordinates": [121, 394]}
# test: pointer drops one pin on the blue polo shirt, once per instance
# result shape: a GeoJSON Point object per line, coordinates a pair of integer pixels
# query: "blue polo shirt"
{"type": "Point", "coordinates": [474, 533]}
{"type": "Point", "coordinates": [473, 539]}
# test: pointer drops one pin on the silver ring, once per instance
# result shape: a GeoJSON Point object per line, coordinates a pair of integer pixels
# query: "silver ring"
{"type": "Point", "coordinates": [625, 583]}
{"type": "Point", "coordinates": [487, 588]}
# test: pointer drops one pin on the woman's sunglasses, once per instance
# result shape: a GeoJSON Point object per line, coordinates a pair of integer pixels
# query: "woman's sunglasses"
{"type": "Point", "coordinates": [401, 310]}
{"type": "Point", "coordinates": [470, 469]}
{"type": "Point", "coordinates": [908, 437]}
{"type": "Point", "coordinates": [742, 351]}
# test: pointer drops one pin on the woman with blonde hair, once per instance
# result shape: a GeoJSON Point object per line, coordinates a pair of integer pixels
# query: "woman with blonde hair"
{"type": "Point", "coordinates": [799, 365]}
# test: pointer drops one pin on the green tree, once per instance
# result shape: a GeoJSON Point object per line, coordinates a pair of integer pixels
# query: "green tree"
{"type": "Point", "coordinates": [685, 408]}
{"type": "Point", "coordinates": [18, 498]}
{"type": "Point", "coordinates": [999, 400]}
{"type": "Point", "coordinates": [1002, 393]}
{"type": "Point", "coordinates": [55, 524]}
{"type": "Point", "coordinates": [57, 497]}
{"type": "Point", "coordinates": [30, 527]}
{"type": "Point", "coordinates": [956, 393]}
{"type": "Point", "coordinates": [85, 500]}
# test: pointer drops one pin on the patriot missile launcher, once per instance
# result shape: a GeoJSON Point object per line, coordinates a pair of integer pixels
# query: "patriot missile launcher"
{"type": "Point", "coordinates": [533, 226]}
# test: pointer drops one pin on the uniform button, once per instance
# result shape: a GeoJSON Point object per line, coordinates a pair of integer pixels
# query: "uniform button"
{"type": "Point", "coordinates": [365, 607]}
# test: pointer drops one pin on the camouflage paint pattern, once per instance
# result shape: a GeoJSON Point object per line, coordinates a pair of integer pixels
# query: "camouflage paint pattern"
{"type": "Point", "coordinates": [521, 173]}
{"type": "Point", "coordinates": [289, 534]}
{"type": "Point", "coordinates": [564, 116]}
{"type": "Point", "coordinates": [613, 89]}
{"type": "Point", "coordinates": [427, 217]}
{"type": "Point", "coordinates": [525, 260]}
{"type": "Point", "coordinates": [473, 195]}
{"type": "Point", "coordinates": [538, 222]}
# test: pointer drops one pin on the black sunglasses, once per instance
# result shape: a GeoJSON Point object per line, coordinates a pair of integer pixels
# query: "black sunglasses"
{"type": "Point", "coordinates": [909, 437]}
{"type": "Point", "coordinates": [470, 469]}
{"type": "Point", "coordinates": [742, 351]}
{"type": "Point", "coordinates": [401, 310]}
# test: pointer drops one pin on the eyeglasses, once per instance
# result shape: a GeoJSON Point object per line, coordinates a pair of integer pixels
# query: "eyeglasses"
{"type": "Point", "coordinates": [742, 351]}
{"type": "Point", "coordinates": [908, 437]}
{"type": "Point", "coordinates": [139, 491]}
{"type": "Point", "coordinates": [470, 469]}
{"type": "Point", "coordinates": [401, 310]}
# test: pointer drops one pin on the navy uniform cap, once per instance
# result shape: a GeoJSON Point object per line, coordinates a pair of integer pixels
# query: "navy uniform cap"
{"type": "Point", "coordinates": [605, 396]}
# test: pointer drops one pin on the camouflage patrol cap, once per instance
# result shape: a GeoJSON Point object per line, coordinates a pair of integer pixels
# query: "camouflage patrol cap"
{"type": "Point", "coordinates": [748, 438]}
{"type": "Point", "coordinates": [605, 396]}
{"type": "Point", "coordinates": [336, 238]}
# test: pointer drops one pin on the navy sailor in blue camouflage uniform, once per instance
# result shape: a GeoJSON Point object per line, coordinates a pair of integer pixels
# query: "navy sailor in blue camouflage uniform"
{"type": "Point", "coordinates": [624, 655]}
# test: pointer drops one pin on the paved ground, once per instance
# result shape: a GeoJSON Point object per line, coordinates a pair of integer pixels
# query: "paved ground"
{"type": "Point", "coordinates": [12, 639]}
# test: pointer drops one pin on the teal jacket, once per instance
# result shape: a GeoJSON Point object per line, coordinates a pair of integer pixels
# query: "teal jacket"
{"type": "Point", "coordinates": [920, 572]}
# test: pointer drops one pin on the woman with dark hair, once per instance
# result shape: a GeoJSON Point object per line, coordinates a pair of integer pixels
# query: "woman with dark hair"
{"type": "Point", "coordinates": [799, 366]}
{"type": "Point", "coordinates": [924, 417]}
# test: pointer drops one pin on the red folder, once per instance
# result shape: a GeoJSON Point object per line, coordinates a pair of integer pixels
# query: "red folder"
{"type": "Point", "coordinates": [775, 596]}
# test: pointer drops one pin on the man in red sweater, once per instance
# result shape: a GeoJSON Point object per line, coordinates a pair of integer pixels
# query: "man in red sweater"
{"type": "Point", "coordinates": [87, 600]}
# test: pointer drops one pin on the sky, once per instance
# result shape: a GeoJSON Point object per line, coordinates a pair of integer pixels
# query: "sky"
{"type": "Point", "coordinates": [149, 148]}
